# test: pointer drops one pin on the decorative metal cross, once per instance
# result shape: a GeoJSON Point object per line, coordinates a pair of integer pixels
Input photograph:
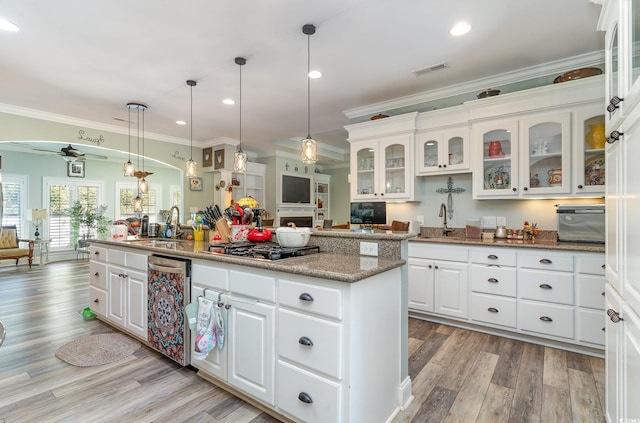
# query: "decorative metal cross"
{"type": "Point", "coordinates": [450, 190]}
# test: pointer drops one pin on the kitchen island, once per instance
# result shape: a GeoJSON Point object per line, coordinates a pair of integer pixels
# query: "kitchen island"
{"type": "Point", "coordinates": [313, 338]}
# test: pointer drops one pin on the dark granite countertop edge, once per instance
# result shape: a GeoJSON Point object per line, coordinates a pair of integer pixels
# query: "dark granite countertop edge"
{"type": "Point", "coordinates": [539, 244]}
{"type": "Point", "coordinates": [336, 267]}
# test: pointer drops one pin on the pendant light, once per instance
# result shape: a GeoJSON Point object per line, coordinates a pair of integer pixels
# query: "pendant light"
{"type": "Point", "coordinates": [240, 157]}
{"type": "Point", "coordinates": [128, 166]}
{"type": "Point", "coordinates": [191, 166]}
{"type": "Point", "coordinates": [140, 174]}
{"type": "Point", "coordinates": [309, 149]}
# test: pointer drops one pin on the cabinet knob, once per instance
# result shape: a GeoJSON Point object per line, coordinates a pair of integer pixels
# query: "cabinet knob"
{"type": "Point", "coordinates": [614, 136]}
{"type": "Point", "coordinates": [436, 267]}
{"type": "Point", "coordinates": [430, 266]}
{"type": "Point", "coordinates": [440, 166]}
{"type": "Point", "coordinates": [305, 297]}
{"type": "Point", "coordinates": [492, 309]}
{"type": "Point", "coordinates": [545, 261]}
{"type": "Point", "coordinates": [526, 188]}
{"type": "Point", "coordinates": [614, 103]}
{"type": "Point", "coordinates": [579, 186]}
{"type": "Point", "coordinates": [604, 266]}
{"type": "Point", "coordinates": [546, 286]}
{"type": "Point", "coordinates": [614, 316]}
{"type": "Point", "coordinates": [444, 165]}
{"type": "Point", "coordinates": [97, 253]}
{"type": "Point", "coordinates": [304, 397]}
{"type": "Point", "coordinates": [96, 301]}
{"type": "Point", "coordinates": [96, 274]}
{"type": "Point", "coordinates": [305, 341]}
{"type": "Point", "coordinates": [514, 189]}
{"type": "Point", "coordinates": [492, 280]}
{"type": "Point", "coordinates": [546, 319]}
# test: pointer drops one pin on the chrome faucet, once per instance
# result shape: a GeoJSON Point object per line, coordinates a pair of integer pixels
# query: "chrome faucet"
{"type": "Point", "coordinates": [175, 221]}
{"type": "Point", "coordinates": [443, 213]}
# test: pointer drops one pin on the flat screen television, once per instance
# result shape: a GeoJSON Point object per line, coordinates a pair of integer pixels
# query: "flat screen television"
{"type": "Point", "coordinates": [296, 189]}
{"type": "Point", "coordinates": [369, 213]}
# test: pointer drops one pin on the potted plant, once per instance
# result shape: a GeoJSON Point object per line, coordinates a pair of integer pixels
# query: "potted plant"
{"type": "Point", "coordinates": [89, 219]}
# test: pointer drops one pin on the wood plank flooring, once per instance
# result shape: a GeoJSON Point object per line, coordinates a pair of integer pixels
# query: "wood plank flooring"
{"type": "Point", "coordinates": [458, 375]}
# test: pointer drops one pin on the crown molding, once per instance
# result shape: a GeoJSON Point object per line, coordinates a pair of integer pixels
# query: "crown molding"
{"type": "Point", "coordinates": [543, 70]}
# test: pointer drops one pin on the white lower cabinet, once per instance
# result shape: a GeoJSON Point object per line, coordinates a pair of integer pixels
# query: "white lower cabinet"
{"type": "Point", "coordinates": [306, 347]}
{"type": "Point", "coordinates": [125, 289]}
{"type": "Point", "coordinates": [555, 295]}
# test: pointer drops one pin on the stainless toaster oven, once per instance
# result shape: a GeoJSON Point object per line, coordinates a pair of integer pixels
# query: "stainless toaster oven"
{"type": "Point", "coordinates": [581, 222]}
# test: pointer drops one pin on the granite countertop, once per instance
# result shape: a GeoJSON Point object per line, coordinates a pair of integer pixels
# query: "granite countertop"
{"type": "Point", "coordinates": [337, 267]}
{"type": "Point", "coordinates": [547, 244]}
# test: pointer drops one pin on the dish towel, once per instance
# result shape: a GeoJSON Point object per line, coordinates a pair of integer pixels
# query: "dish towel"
{"type": "Point", "coordinates": [206, 337]}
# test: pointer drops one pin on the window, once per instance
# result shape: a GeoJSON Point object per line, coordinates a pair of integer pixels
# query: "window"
{"type": "Point", "coordinates": [13, 190]}
{"type": "Point", "coordinates": [61, 195]}
{"type": "Point", "coordinates": [150, 201]}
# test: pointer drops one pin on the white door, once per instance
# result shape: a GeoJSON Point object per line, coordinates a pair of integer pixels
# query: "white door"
{"type": "Point", "coordinates": [136, 311]}
{"type": "Point", "coordinates": [251, 347]}
{"type": "Point", "coordinates": [420, 284]}
{"type": "Point", "coordinates": [451, 282]}
{"type": "Point", "coordinates": [117, 305]}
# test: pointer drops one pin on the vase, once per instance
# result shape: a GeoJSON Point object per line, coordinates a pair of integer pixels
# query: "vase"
{"type": "Point", "coordinates": [595, 138]}
{"type": "Point", "coordinates": [495, 149]}
{"type": "Point", "coordinates": [555, 176]}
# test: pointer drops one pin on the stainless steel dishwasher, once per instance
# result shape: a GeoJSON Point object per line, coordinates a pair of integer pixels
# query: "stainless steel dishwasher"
{"type": "Point", "coordinates": [168, 293]}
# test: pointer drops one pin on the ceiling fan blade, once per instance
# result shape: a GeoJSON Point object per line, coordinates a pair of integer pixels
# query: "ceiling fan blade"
{"type": "Point", "coordinates": [95, 156]}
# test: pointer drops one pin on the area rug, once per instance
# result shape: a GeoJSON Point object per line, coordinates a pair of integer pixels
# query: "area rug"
{"type": "Point", "coordinates": [96, 350]}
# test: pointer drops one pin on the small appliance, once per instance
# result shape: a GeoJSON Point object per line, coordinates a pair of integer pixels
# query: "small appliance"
{"type": "Point", "coordinates": [581, 223]}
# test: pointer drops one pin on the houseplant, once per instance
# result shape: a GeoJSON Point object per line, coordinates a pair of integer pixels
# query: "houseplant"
{"type": "Point", "coordinates": [91, 220]}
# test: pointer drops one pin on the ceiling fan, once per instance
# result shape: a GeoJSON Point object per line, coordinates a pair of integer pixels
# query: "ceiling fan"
{"type": "Point", "coordinates": [71, 154]}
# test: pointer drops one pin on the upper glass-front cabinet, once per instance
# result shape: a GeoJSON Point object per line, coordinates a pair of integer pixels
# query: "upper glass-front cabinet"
{"type": "Point", "coordinates": [442, 152]}
{"type": "Point", "coordinates": [589, 157]}
{"type": "Point", "coordinates": [498, 158]}
{"type": "Point", "coordinates": [383, 169]}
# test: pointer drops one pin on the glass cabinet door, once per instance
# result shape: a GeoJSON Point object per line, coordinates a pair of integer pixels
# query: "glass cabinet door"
{"type": "Point", "coordinates": [366, 174]}
{"type": "Point", "coordinates": [590, 156]}
{"type": "Point", "coordinates": [546, 161]}
{"type": "Point", "coordinates": [429, 158]}
{"type": "Point", "coordinates": [394, 170]}
{"type": "Point", "coordinates": [457, 154]}
{"type": "Point", "coordinates": [499, 158]}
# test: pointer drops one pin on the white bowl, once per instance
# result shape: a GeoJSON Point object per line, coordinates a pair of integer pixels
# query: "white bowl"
{"type": "Point", "coordinates": [290, 237]}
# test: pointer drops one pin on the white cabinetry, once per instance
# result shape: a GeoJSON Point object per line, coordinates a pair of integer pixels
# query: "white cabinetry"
{"type": "Point", "coordinates": [442, 142]}
{"type": "Point", "coordinates": [619, 18]}
{"type": "Point", "coordinates": [306, 347]}
{"type": "Point", "coordinates": [249, 184]}
{"type": "Point", "coordinates": [98, 296]}
{"type": "Point", "coordinates": [589, 158]}
{"type": "Point", "coordinates": [127, 291]}
{"type": "Point", "coordinates": [382, 167]}
{"type": "Point", "coordinates": [537, 293]}
{"type": "Point", "coordinates": [322, 187]}
{"type": "Point", "coordinates": [437, 282]}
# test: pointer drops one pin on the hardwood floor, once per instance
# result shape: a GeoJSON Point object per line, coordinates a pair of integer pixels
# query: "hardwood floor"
{"type": "Point", "coordinates": [458, 375]}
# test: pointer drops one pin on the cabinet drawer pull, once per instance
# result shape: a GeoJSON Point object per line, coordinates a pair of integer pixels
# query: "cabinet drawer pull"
{"type": "Point", "coordinates": [602, 293]}
{"type": "Point", "coordinates": [614, 136]}
{"type": "Point", "coordinates": [492, 257]}
{"type": "Point", "coordinates": [96, 301]}
{"type": "Point", "coordinates": [435, 267]}
{"type": "Point", "coordinates": [493, 265]}
{"type": "Point", "coordinates": [430, 266]}
{"type": "Point", "coordinates": [545, 261]}
{"type": "Point", "coordinates": [305, 297]}
{"type": "Point", "coordinates": [96, 274]}
{"type": "Point", "coordinates": [304, 397]}
{"type": "Point", "coordinates": [545, 286]}
{"type": "Point", "coordinates": [580, 186]}
{"type": "Point", "coordinates": [305, 341]}
{"type": "Point", "coordinates": [492, 309]}
{"type": "Point", "coordinates": [603, 329]}
{"type": "Point", "coordinates": [526, 188]}
{"type": "Point", "coordinates": [492, 280]}
{"type": "Point", "coordinates": [97, 253]}
{"type": "Point", "coordinates": [614, 316]}
{"type": "Point", "coordinates": [546, 319]}
{"type": "Point", "coordinates": [604, 266]}
{"type": "Point", "coordinates": [514, 189]}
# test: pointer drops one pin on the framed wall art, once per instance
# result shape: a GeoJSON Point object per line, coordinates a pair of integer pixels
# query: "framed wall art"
{"type": "Point", "coordinates": [75, 169]}
{"type": "Point", "coordinates": [207, 157]}
{"type": "Point", "coordinates": [195, 184]}
{"type": "Point", "coordinates": [218, 159]}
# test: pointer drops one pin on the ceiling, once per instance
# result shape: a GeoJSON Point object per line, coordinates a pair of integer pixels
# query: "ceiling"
{"type": "Point", "coordinates": [87, 60]}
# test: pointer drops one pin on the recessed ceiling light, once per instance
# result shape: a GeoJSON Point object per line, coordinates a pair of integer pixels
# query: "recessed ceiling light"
{"type": "Point", "coordinates": [459, 29]}
{"type": "Point", "coordinates": [315, 74]}
{"type": "Point", "coordinates": [181, 122]}
{"type": "Point", "coordinates": [228, 101]}
{"type": "Point", "coordinates": [8, 26]}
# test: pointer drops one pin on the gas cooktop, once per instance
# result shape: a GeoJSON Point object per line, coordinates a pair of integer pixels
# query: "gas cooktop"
{"type": "Point", "coordinates": [267, 250]}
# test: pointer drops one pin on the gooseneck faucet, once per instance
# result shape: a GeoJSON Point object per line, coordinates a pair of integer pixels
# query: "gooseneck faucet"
{"type": "Point", "coordinates": [443, 213]}
{"type": "Point", "coordinates": [175, 221]}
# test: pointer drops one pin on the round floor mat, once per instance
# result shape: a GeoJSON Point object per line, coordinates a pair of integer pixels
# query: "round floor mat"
{"type": "Point", "coordinates": [96, 350]}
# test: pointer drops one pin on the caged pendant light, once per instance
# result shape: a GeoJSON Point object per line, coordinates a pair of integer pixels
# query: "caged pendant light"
{"type": "Point", "coordinates": [240, 157]}
{"type": "Point", "coordinates": [140, 174]}
{"type": "Point", "coordinates": [128, 166]}
{"type": "Point", "coordinates": [191, 165]}
{"type": "Point", "coordinates": [309, 148]}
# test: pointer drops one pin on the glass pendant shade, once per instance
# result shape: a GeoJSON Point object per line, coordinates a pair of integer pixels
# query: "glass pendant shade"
{"type": "Point", "coordinates": [309, 151]}
{"type": "Point", "coordinates": [240, 161]}
{"type": "Point", "coordinates": [191, 169]}
{"type": "Point", "coordinates": [137, 204]}
{"type": "Point", "coordinates": [143, 186]}
{"type": "Point", "coordinates": [128, 168]}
